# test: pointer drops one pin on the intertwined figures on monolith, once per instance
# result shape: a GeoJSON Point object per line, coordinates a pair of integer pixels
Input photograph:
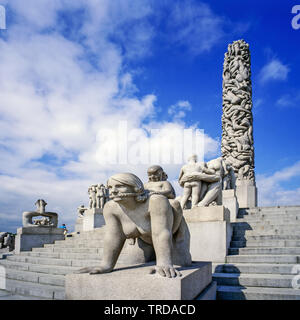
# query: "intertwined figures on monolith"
{"type": "Point", "coordinates": [237, 122]}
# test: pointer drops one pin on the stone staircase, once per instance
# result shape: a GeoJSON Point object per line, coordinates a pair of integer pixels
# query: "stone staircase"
{"type": "Point", "coordinates": [264, 249]}
{"type": "Point", "coordinates": [41, 272]}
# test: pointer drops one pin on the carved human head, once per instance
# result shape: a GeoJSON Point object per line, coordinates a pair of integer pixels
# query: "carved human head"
{"type": "Point", "coordinates": [156, 173]}
{"type": "Point", "coordinates": [124, 185]}
{"type": "Point", "coordinates": [193, 158]}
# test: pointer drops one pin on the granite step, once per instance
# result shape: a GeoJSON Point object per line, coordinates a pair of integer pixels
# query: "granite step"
{"type": "Point", "coordinates": [63, 255]}
{"type": "Point", "coordinates": [36, 277]}
{"type": "Point", "coordinates": [277, 209]}
{"type": "Point", "coordinates": [54, 261]}
{"type": "Point", "coordinates": [268, 219]}
{"type": "Point", "coordinates": [256, 293]}
{"type": "Point", "coordinates": [25, 266]}
{"type": "Point", "coordinates": [35, 289]}
{"type": "Point", "coordinates": [256, 251]}
{"type": "Point", "coordinates": [295, 259]}
{"type": "Point", "coordinates": [265, 243]}
{"type": "Point", "coordinates": [268, 232]}
{"type": "Point", "coordinates": [254, 280]}
{"type": "Point", "coordinates": [62, 249]}
{"type": "Point", "coordinates": [265, 237]}
{"type": "Point", "coordinates": [263, 225]}
{"type": "Point", "coordinates": [76, 244]}
{"type": "Point", "coordinates": [253, 268]}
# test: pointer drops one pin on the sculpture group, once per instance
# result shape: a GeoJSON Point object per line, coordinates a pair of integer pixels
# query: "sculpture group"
{"type": "Point", "coordinates": [152, 213]}
{"type": "Point", "coordinates": [203, 182]}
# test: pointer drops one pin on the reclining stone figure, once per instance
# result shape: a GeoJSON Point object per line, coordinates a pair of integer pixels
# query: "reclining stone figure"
{"type": "Point", "coordinates": [134, 212]}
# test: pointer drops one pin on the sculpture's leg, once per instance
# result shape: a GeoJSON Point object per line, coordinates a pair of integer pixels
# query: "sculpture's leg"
{"type": "Point", "coordinates": [212, 193]}
{"type": "Point", "coordinates": [187, 190]}
{"type": "Point", "coordinates": [203, 190]}
{"type": "Point", "coordinates": [177, 212]}
{"type": "Point", "coordinates": [181, 245]}
{"type": "Point", "coordinates": [196, 189]}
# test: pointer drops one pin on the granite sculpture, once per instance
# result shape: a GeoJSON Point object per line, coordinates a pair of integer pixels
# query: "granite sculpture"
{"type": "Point", "coordinates": [7, 241]}
{"type": "Point", "coordinates": [203, 182]}
{"type": "Point", "coordinates": [237, 121]}
{"type": "Point", "coordinates": [134, 212]}
{"type": "Point", "coordinates": [50, 219]}
{"type": "Point", "coordinates": [97, 196]}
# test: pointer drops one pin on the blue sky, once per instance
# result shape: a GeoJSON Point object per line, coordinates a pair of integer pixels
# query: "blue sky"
{"type": "Point", "coordinates": [72, 68]}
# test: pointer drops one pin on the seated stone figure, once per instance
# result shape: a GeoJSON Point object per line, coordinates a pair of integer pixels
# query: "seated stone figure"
{"type": "Point", "coordinates": [28, 215]}
{"type": "Point", "coordinates": [158, 184]}
{"type": "Point", "coordinates": [133, 213]}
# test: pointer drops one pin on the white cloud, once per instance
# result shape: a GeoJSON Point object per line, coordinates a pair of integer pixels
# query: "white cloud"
{"type": "Point", "coordinates": [196, 27]}
{"type": "Point", "coordinates": [179, 109]}
{"type": "Point", "coordinates": [274, 70]}
{"type": "Point", "coordinates": [58, 91]}
{"type": "Point", "coordinates": [289, 100]}
{"type": "Point", "coordinates": [270, 191]}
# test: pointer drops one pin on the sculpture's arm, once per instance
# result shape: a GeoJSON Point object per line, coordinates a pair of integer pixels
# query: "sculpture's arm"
{"type": "Point", "coordinates": [166, 190]}
{"type": "Point", "coordinates": [161, 227]}
{"type": "Point", "coordinates": [180, 174]}
{"type": "Point", "coordinates": [113, 241]}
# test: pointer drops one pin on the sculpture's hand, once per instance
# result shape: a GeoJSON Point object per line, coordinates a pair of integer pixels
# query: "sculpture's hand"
{"type": "Point", "coordinates": [166, 271]}
{"type": "Point", "coordinates": [93, 270]}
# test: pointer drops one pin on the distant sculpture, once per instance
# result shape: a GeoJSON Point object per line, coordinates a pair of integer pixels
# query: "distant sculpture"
{"type": "Point", "coordinates": [92, 196]}
{"type": "Point", "coordinates": [134, 213]}
{"type": "Point", "coordinates": [191, 184]}
{"type": "Point", "coordinates": [42, 222]}
{"type": "Point", "coordinates": [101, 196]}
{"type": "Point", "coordinates": [81, 210]}
{"type": "Point", "coordinates": [51, 218]}
{"type": "Point", "coordinates": [211, 183]}
{"type": "Point", "coordinates": [237, 121]}
{"type": "Point", "coordinates": [203, 182]}
{"type": "Point", "coordinates": [7, 241]}
{"type": "Point", "coordinates": [97, 196]}
{"type": "Point", "coordinates": [228, 176]}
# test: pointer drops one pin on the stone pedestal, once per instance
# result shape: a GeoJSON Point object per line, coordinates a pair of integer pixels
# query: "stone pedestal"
{"type": "Point", "coordinates": [93, 218]}
{"type": "Point", "coordinates": [79, 225]}
{"type": "Point", "coordinates": [210, 231]}
{"type": "Point", "coordinates": [246, 193]}
{"type": "Point", "coordinates": [34, 237]}
{"type": "Point", "coordinates": [229, 201]}
{"type": "Point", "coordinates": [135, 283]}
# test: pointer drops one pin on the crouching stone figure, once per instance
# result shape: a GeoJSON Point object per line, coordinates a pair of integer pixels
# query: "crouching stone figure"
{"type": "Point", "coordinates": [134, 213]}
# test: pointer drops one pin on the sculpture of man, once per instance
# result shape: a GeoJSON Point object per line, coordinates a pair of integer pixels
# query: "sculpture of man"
{"type": "Point", "coordinates": [212, 182]}
{"type": "Point", "coordinates": [191, 185]}
{"type": "Point", "coordinates": [134, 213]}
{"type": "Point", "coordinates": [92, 196]}
{"type": "Point", "coordinates": [101, 195]}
